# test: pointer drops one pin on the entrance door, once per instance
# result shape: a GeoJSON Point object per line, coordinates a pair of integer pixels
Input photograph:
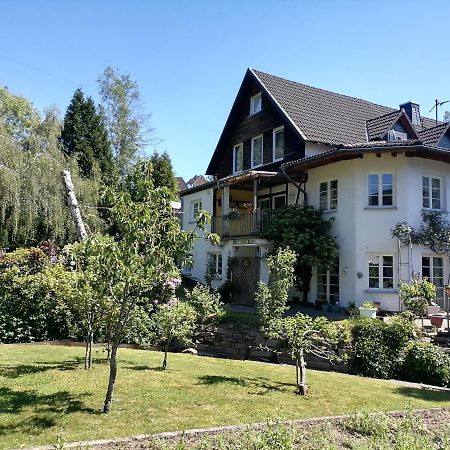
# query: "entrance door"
{"type": "Point", "coordinates": [245, 276]}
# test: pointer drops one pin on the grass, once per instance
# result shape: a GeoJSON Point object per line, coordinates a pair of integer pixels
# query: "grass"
{"type": "Point", "coordinates": [45, 393]}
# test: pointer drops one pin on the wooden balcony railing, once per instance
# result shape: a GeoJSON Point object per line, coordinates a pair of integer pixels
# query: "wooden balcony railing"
{"type": "Point", "coordinates": [241, 224]}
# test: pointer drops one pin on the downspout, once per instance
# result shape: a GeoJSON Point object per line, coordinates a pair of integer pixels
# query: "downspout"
{"type": "Point", "coordinates": [297, 185]}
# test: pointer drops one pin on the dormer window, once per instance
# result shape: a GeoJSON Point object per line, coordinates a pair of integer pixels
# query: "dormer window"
{"type": "Point", "coordinates": [255, 103]}
{"type": "Point", "coordinates": [395, 135]}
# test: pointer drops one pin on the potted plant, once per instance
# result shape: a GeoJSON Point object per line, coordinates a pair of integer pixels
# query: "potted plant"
{"type": "Point", "coordinates": [352, 310]}
{"type": "Point", "coordinates": [368, 309]}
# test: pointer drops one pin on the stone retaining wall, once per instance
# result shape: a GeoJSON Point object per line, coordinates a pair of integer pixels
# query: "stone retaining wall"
{"type": "Point", "coordinates": [241, 342]}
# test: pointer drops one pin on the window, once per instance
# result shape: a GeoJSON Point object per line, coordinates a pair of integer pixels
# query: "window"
{"type": "Point", "coordinates": [381, 271]}
{"type": "Point", "coordinates": [255, 103]}
{"type": "Point", "coordinates": [238, 158]}
{"type": "Point", "coordinates": [196, 207]}
{"type": "Point", "coordinates": [433, 269]}
{"type": "Point", "coordinates": [257, 151]}
{"type": "Point", "coordinates": [278, 143]}
{"type": "Point", "coordinates": [431, 193]}
{"type": "Point", "coordinates": [328, 195]}
{"type": "Point", "coordinates": [279, 201]}
{"type": "Point", "coordinates": [215, 262]}
{"type": "Point", "coordinates": [380, 189]}
{"type": "Point", "coordinates": [264, 203]}
{"type": "Point", "coordinates": [328, 284]}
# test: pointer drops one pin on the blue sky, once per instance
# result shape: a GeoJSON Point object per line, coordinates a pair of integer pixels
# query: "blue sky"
{"type": "Point", "coordinates": [189, 57]}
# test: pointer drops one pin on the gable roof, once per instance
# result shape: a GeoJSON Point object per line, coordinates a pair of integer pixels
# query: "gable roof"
{"type": "Point", "coordinates": [324, 116]}
{"type": "Point", "coordinates": [431, 136]}
{"type": "Point", "coordinates": [181, 184]}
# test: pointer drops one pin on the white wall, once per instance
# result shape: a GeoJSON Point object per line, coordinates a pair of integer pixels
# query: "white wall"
{"type": "Point", "coordinates": [361, 230]}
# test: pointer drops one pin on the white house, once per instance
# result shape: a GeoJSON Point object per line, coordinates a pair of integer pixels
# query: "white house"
{"type": "Point", "coordinates": [368, 166]}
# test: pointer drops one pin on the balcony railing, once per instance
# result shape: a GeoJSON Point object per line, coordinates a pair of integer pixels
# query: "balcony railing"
{"type": "Point", "coordinates": [241, 224]}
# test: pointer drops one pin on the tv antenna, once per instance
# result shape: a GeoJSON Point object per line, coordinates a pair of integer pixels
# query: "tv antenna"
{"type": "Point", "coordinates": [437, 103]}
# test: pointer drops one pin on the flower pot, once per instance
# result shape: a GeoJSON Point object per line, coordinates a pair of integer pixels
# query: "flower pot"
{"type": "Point", "coordinates": [436, 320]}
{"type": "Point", "coordinates": [370, 313]}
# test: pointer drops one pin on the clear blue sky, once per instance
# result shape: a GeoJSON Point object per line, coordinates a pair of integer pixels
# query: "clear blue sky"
{"type": "Point", "coordinates": [189, 56]}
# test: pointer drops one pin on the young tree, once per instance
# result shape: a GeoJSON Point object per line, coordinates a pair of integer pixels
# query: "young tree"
{"type": "Point", "coordinates": [84, 136]}
{"type": "Point", "coordinates": [174, 320]}
{"type": "Point", "coordinates": [312, 241]}
{"type": "Point", "coordinates": [302, 334]}
{"type": "Point", "coordinates": [122, 112]}
{"type": "Point", "coordinates": [131, 268]}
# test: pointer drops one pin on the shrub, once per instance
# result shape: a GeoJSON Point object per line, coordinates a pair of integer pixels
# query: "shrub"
{"type": "Point", "coordinates": [35, 307]}
{"type": "Point", "coordinates": [423, 362]}
{"type": "Point", "coordinates": [377, 345]}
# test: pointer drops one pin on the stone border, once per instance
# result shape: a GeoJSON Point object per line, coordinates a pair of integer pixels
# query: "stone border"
{"type": "Point", "coordinates": [217, 430]}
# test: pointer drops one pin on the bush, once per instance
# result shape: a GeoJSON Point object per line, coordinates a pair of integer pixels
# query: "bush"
{"type": "Point", "coordinates": [423, 362]}
{"type": "Point", "coordinates": [34, 298]}
{"type": "Point", "coordinates": [377, 345]}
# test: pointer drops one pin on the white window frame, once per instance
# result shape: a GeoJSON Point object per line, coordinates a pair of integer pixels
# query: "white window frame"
{"type": "Point", "coordinates": [328, 283]}
{"type": "Point", "coordinates": [252, 103]}
{"type": "Point", "coordinates": [431, 277]}
{"type": "Point", "coordinates": [328, 191]}
{"type": "Point", "coordinates": [195, 209]}
{"type": "Point", "coordinates": [380, 189]}
{"type": "Point", "coordinates": [275, 131]}
{"type": "Point", "coordinates": [235, 147]}
{"type": "Point", "coordinates": [381, 276]}
{"type": "Point", "coordinates": [430, 190]}
{"type": "Point", "coordinates": [215, 257]}
{"type": "Point", "coordinates": [260, 136]}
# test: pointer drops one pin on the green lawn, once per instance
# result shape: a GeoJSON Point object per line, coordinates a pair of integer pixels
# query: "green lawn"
{"type": "Point", "coordinates": [44, 389]}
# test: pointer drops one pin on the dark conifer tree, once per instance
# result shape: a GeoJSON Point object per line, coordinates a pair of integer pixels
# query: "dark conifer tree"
{"type": "Point", "coordinates": [84, 135]}
{"type": "Point", "coordinates": [162, 174]}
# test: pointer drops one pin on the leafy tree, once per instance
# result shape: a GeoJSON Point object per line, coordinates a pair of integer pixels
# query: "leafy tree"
{"type": "Point", "coordinates": [311, 240]}
{"type": "Point", "coordinates": [122, 112]}
{"type": "Point", "coordinates": [302, 334]}
{"type": "Point", "coordinates": [206, 303]}
{"type": "Point", "coordinates": [163, 175]}
{"type": "Point", "coordinates": [84, 136]}
{"type": "Point", "coordinates": [132, 268]}
{"type": "Point", "coordinates": [174, 320]}
{"type": "Point", "coordinates": [17, 115]}
{"type": "Point", "coordinates": [33, 201]}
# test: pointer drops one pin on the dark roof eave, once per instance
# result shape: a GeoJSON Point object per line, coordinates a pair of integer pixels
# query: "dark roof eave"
{"type": "Point", "coordinates": [202, 187]}
{"type": "Point", "coordinates": [342, 153]}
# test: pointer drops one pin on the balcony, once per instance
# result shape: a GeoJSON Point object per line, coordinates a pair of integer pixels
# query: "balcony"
{"type": "Point", "coordinates": [238, 224]}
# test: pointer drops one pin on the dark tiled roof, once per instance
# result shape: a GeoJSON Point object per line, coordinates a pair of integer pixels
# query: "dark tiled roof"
{"type": "Point", "coordinates": [431, 136]}
{"type": "Point", "coordinates": [324, 116]}
{"type": "Point", "coordinates": [379, 126]}
{"type": "Point", "coordinates": [181, 184]}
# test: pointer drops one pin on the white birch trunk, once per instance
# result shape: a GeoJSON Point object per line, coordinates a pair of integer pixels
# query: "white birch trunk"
{"type": "Point", "coordinates": [73, 205]}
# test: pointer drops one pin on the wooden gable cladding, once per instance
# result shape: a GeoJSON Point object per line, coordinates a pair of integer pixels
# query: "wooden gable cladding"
{"type": "Point", "coordinates": [241, 127]}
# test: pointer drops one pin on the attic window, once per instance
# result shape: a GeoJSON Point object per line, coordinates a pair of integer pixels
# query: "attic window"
{"type": "Point", "coordinates": [255, 103]}
{"type": "Point", "coordinates": [395, 135]}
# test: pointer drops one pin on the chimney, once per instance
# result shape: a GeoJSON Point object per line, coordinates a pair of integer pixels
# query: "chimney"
{"type": "Point", "coordinates": [412, 110]}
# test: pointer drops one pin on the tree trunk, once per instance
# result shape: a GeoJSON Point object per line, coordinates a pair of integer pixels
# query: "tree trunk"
{"type": "Point", "coordinates": [112, 378]}
{"type": "Point", "coordinates": [91, 342]}
{"type": "Point", "coordinates": [86, 353]}
{"type": "Point", "coordinates": [303, 387]}
{"type": "Point", "coordinates": [108, 351]}
{"type": "Point", "coordinates": [73, 205]}
{"type": "Point", "coordinates": [297, 378]}
{"type": "Point", "coordinates": [166, 349]}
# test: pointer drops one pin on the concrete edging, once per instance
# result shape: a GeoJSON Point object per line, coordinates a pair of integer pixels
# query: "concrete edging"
{"type": "Point", "coordinates": [216, 430]}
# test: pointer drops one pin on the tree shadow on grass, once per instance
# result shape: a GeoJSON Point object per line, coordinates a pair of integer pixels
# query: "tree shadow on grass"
{"type": "Point", "coordinates": [15, 371]}
{"type": "Point", "coordinates": [261, 384]}
{"type": "Point", "coordinates": [45, 408]}
{"type": "Point", "coordinates": [424, 394]}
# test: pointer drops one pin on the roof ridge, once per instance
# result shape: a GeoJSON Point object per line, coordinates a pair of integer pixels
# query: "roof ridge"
{"type": "Point", "coordinates": [395, 111]}
{"type": "Point", "coordinates": [325, 90]}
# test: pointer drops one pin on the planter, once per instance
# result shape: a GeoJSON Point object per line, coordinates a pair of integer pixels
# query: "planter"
{"type": "Point", "coordinates": [433, 310]}
{"type": "Point", "coordinates": [335, 308]}
{"type": "Point", "coordinates": [436, 320]}
{"type": "Point", "coordinates": [325, 307]}
{"type": "Point", "coordinates": [370, 313]}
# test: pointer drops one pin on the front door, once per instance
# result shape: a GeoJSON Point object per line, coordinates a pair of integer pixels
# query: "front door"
{"type": "Point", "coordinates": [245, 276]}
